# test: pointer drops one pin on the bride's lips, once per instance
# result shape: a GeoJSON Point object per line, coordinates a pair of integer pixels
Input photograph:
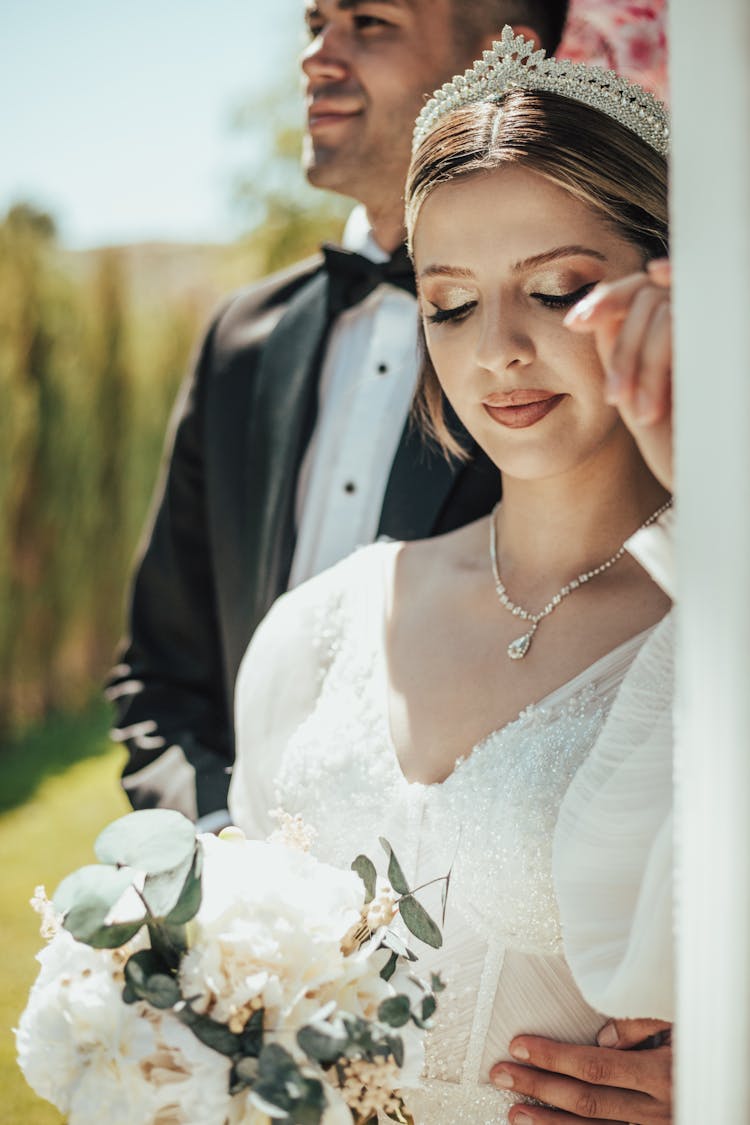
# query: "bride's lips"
{"type": "Point", "coordinates": [521, 408]}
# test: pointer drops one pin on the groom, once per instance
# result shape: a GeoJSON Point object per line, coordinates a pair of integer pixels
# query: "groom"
{"type": "Point", "coordinates": [290, 447]}
{"type": "Point", "coordinates": [291, 444]}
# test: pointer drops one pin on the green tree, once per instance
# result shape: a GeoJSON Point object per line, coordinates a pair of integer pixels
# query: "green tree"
{"type": "Point", "coordinates": [34, 324]}
{"type": "Point", "coordinates": [286, 218]}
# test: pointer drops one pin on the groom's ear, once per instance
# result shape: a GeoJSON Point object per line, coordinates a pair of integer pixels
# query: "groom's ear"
{"type": "Point", "coordinates": [518, 29]}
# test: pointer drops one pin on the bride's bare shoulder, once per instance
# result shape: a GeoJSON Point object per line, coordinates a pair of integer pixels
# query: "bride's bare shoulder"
{"type": "Point", "coordinates": [443, 557]}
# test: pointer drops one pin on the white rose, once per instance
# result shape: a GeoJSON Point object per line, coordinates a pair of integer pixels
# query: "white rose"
{"type": "Point", "coordinates": [268, 931]}
{"type": "Point", "coordinates": [99, 1059]}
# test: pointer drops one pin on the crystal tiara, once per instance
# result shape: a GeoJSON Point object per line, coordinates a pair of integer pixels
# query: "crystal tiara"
{"type": "Point", "coordinates": [513, 63]}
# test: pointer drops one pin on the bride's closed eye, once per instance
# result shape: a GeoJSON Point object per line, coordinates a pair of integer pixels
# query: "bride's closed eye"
{"type": "Point", "coordinates": [564, 300]}
{"type": "Point", "coordinates": [444, 316]}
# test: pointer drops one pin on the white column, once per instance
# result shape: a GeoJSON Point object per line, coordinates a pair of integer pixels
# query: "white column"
{"type": "Point", "coordinates": [710, 59]}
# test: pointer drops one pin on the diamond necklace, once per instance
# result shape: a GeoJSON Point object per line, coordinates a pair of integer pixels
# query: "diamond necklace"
{"type": "Point", "coordinates": [518, 648]}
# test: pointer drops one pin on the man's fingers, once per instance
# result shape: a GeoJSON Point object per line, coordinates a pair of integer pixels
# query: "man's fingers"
{"type": "Point", "coordinates": [594, 1065]}
{"type": "Point", "coordinates": [626, 1034]}
{"type": "Point", "coordinates": [582, 1100]}
{"type": "Point", "coordinates": [538, 1115]}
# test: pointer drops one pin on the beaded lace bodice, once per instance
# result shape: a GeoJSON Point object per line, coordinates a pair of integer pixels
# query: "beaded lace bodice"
{"type": "Point", "coordinates": [492, 820]}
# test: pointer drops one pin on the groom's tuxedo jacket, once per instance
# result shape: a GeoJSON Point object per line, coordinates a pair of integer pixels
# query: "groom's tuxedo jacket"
{"type": "Point", "coordinates": [220, 546]}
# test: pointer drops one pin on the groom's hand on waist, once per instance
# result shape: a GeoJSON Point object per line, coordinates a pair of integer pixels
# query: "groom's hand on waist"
{"type": "Point", "coordinates": [627, 1078]}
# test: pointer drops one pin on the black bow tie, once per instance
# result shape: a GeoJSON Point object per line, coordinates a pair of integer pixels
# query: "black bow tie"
{"type": "Point", "coordinates": [352, 277]}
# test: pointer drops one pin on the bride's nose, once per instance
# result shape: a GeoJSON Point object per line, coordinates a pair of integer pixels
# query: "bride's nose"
{"type": "Point", "coordinates": [503, 341]}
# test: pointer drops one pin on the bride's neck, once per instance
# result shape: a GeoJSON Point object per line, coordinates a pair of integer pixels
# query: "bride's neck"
{"type": "Point", "coordinates": [550, 530]}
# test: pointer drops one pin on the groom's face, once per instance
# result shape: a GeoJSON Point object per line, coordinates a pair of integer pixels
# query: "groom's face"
{"type": "Point", "coordinates": [367, 70]}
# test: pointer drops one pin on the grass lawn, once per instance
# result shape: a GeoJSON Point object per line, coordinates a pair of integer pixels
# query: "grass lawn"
{"type": "Point", "coordinates": [58, 788]}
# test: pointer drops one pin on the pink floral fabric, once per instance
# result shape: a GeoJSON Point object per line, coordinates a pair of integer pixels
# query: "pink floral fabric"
{"type": "Point", "coordinates": [622, 35]}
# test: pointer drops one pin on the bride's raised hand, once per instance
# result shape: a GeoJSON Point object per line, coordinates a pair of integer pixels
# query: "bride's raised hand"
{"type": "Point", "coordinates": [632, 325]}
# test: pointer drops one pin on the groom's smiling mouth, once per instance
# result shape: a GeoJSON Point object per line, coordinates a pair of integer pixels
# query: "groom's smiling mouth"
{"type": "Point", "coordinates": [323, 113]}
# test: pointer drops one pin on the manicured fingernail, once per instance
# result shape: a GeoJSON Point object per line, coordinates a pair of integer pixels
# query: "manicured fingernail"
{"type": "Point", "coordinates": [503, 1079]}
{"type": "Point", "coordinates": [580, 313]}
{"type": "Point", "coordinates": [518, 1051]}
{"type": "Point", "coordinates": [608, 1036]}
{"type": "Point", "coordinates": [523, 1119]}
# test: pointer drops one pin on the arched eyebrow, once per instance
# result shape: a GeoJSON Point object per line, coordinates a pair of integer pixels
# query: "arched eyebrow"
{"type": "Point", "coordinates": [350, 5]}
{"type": "Point", "coordinates": [446, 271]}
{"type": "Point", "coordinates": [553, 255]}
{"type": "Point", "coordinates": [536, 260]}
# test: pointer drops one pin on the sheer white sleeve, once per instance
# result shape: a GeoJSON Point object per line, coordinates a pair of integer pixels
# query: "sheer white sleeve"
{"type": "Point", "coordinates": [277, 688]}
{"type": "Point", "coordinates": [613, 842]}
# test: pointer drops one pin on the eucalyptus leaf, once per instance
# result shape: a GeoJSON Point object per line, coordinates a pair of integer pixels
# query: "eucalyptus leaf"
{"type": "Point", "coordinates": [148, 976]}
{"type": "Point", "coordinates": [170, 942]}
{"type": "Point", "coordinates": [251, 1036]}
{"type": "Point", "coordinates": [365, 868]}
{"type": "Point", "coordinates": [112, 937]}
{"type": "Point", "coordinates": [189, 901]}
{"type": "Point", "coordinates": [436, 983]}
{"type": "Point", "coordinates": [395, 1011]}
{"type": "Point", "coordinates": [323, 1042]}
{"type": "Point", "coordinates": [429, 1006]}
{"type": "Point", "coordinates": [390, 967]}
{"type": "Point", "coordinates": [210, 1032]}
{"type": "Point", "coordinates": [312, 1104]}
{"type": "Point", "coordinates": [129, 995]}
{"type": "Point", "coordinates": [280, 1083]}
{"type": "Point", "coordinates": [395, 1046]}
{"type": "Point", "coordinates": [152, 840]}
{"type": "Point", "coordinates": [141, 965]}
{"type": "Point", "coordinates": [395, 874]}
{"type": "Point", "coordinates": [162, 991]}
{"type": "Point", "coordinates": [418, 921]}
{"type": "Point", "coordinates": [244, 1074]}
{"type": "Point", "coordinates": [86, 897]}
{"type": "Point", "coordinates": [162, 892]}
{"type": "Point", "coordinates": [276, 1062]}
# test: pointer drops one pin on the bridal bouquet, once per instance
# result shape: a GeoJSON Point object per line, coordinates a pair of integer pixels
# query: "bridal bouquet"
{"type": "Point", "coordinates": [222, 981]}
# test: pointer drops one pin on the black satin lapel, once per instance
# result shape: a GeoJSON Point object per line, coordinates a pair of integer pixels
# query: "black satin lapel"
{"type": "Point", "coordinates": [428, 495]}
{"type": "Point", "coordinates": [420, 482]}
{"type": "Point", "coordinates": [283, 416]}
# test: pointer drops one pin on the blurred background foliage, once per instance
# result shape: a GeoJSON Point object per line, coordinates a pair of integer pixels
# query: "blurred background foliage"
{"type": "Point", "coordinates": [93, 346]}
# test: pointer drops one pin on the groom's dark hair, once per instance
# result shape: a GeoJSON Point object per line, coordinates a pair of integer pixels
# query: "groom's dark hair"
{"type": "Point", "coordinates": [474, 19]}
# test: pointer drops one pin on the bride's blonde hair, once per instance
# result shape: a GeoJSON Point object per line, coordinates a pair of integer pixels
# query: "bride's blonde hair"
{"type": "Point", "coordinates": [597, 160]}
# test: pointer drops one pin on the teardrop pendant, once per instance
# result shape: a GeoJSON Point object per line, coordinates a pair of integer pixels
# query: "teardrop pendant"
{"type": "Point", "coordinates": [518, 648]}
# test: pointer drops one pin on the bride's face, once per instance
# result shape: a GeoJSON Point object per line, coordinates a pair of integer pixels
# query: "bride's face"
{"type": "Point", "coordinates": [500, 258]}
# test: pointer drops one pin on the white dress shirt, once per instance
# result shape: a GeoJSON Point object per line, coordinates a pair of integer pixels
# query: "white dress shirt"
{"type": "Point", "coordinates": [366, 386]}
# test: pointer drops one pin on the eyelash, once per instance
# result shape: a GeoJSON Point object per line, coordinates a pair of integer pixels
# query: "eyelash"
{"type": "Point", "coordinates": [548, 300]}
{"type": "Point", "coordinates": [442, 316]}
{"type": "Point", "coordinates": [565, 300]}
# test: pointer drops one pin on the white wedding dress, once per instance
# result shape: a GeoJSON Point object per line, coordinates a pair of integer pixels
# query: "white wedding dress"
{"type": "Point", "coordinates": [557, 833]}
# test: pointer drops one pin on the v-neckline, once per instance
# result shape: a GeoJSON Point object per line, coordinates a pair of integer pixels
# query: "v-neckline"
{"type": "Point", "coordinates": [569, 688]}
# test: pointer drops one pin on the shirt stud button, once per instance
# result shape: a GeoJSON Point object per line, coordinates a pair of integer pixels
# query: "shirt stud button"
{"type": "Point", "coordinates": [350, 486]}
{"type": "Point", "coordinates": [382, 368]}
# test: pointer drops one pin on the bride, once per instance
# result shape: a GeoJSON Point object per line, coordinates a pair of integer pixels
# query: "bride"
{"type": "Point", "coordinates": [496, 701]}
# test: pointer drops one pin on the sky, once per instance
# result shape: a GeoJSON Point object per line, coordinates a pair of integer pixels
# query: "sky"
{"type": "Point", "coordinates": [116, 116]}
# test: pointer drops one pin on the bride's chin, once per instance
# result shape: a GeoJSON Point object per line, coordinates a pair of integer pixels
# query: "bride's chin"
{"type": "Point", "coordinates": [523, 464]}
